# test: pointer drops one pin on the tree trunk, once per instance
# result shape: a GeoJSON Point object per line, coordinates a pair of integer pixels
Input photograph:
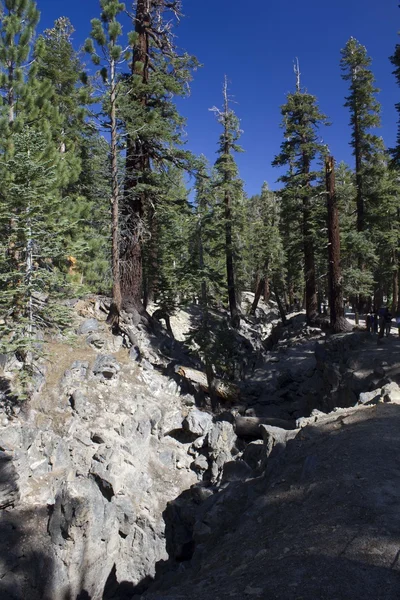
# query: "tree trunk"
{"type": "Point", "coordinates": [337, 316]}
{"type": "Point", "coordinates": [115, 308]}
{"type": "Point", "coordinates": [359, 177]}
{"type": "Point", "coordinates": [278, 300]}
{"type": "Point", "coordinates": [257, 296]}
{"type": "Point", "coordinates": [267, 291]}
{"type": "Point", "coordinates": [11, 94]}
{"type": "Point", "coordinates": [137, 164]}
{"type": "Point", "coordinates": [308, 246]}
{"type": "Point", "coordinates": [235, 314]}
{"type": "Point", "coordinates": [395, 292]}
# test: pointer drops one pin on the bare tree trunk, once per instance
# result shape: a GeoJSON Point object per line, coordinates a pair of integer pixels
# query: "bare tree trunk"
{"type": "Point", "coordinates": [115, 308]}
{"type": "Point", "coordinates": [337, 316]}
{"type": "Point", "coordinates": [257, 296]}
{"type": "Point", "coordinates": [235, 314]}
{"type": "Point", "coordinates": [395, 292]}
{"type": "Point", "coordinates": [267, 291]}
{"type": "Point", "coordinates": [308, 246]}
{"type": "Point", "coordinates": [279, 302]}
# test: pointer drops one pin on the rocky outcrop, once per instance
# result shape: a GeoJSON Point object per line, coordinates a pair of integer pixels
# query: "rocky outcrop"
{"type": "Point", "coordinates": [86, 471]}
{"type": "Point", "coordinates": [322, 523]}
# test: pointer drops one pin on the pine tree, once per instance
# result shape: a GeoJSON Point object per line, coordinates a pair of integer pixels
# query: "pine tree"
{"type": "Point", "coordinates": [18, 21]}
{"type": "Point", "coordinates": [30, 247]}
{"type": "Point", "coordinates": [154, 135]}
{"type": "Point", "coordinates": [301, 121]}
{"type": "Point", "coordinates": [265, 245]}
{"type": "Point", "coordinates": [337, 318]}
{"type": "Point", "coordinates": [229, 186]}
{"type": "Point", "coordinates": [58, 62]}
{"type": "Point", "coordinates": [364, 116]}
{"type": "Point", "coordinates": [106, 32]}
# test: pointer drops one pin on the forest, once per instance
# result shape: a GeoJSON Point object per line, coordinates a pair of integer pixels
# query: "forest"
{"type": "Point", "coordinates": [99, 194]}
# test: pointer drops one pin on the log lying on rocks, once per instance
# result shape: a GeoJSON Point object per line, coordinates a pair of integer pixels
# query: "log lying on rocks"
{"type": "Point", "coordinates": [223, 389]}
{"type": "Point", "coordinates": [250, 426]}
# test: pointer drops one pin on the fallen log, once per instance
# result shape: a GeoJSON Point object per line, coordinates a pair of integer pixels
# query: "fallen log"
{"type": "Point", "coordinates": [250, 426]}
{"type": "Point", "coordinates": [223, 389]}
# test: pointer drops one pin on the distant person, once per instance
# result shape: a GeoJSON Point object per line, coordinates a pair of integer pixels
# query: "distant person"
{"type": "Point", "coordinates": [388, 322]}
{"type": "Point", "coordinates": [398, 324]}
{"type": "Point", "coordinates": [368, 322]}
{"type": "Point", "coordinates": [381, 317]}
{"type": "Point", "coordinates": [376, 321]}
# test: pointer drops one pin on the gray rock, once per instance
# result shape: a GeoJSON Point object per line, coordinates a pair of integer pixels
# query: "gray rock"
{"type": "Point", "coordinates": [79, 402]}
{"type": "Point", "coordinates": [97, 341]}
{"type": "Point", "coordinates": [106, 367]}
{"type": "Point", "coordinates": [146, 364]}
{"type": "Point", "coordinates": [88, 326]}
{"type": "Point", "coordinates": [254, 453]}
{"type": "Point", "coordinates": [9, 490]}
{"type": "Point", "coordinates": [134, 353]}
{"type": "Point", "coordinates": [366, 397]}
{"type": "Point", "coordinates": [200, 464]}
{"type": "Point", "coordinates": [236, 470]}
{"type": "Point", "coordinates": [198, 422]}
{"type": "Point", "coordinates": [391, 393]}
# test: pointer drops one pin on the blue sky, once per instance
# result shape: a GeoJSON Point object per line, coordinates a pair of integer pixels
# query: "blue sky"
{"type": "Point", "coordinates": [254, 44]}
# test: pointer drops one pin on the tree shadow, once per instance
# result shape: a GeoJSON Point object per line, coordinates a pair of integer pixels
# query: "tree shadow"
{"type": "Point", "coordinates": [323, 522]}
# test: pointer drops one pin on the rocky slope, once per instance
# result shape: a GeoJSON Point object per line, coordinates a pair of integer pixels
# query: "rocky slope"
{"type": "Point", "coordinates": [323, 521]}
{"type": "Point", "coordinates": [116, 478]}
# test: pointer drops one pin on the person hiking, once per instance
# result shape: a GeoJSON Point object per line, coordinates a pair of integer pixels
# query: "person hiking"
{"type": "Point", "coordinates": [388, 322]}
{"type": "Point", "coordinates": [381, 317]}
{"type": "Point", "coordinates": [398, 323]}
{"type": "Point", "coordinates": [368, 322]}
{"type": "Point", "coordinates": [375, 324]}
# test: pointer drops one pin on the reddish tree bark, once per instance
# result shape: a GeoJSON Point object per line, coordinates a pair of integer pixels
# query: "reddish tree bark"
{"type": "Point", "coordinates": [337, 317]}
{"type": "Point", "coordinates": [137, 164]}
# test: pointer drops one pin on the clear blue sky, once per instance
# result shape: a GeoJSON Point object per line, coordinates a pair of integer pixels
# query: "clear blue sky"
{"type": "Point", "coordinates": [255, 43]}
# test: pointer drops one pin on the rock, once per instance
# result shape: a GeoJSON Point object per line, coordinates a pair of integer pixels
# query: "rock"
{"type": "Point", "coordinates": [146, 364]}
{"type": "Point", "coordinates": [198, 422]}
{"type": "Point", "coordinates": [88, 326]}
{"type": "Point", "coordinates": [200, 464]}
{"type": "Point", "coordinates": [134, 353]}
{"type": "Point", "coordinates": [367, 397]}
{"type": "Point", "coordinates": [79, 402]}
{"type": "Point", "coordinates": [9, 490]}
{"type": "Point", "coordinates": [274, 437]}
{"type": "Point", "coordinates": [97, 341]}
{"type": "Point", "coordinates": [77, 372]}
{"type": "Point", "coordinates": [106, 367]}
{"type": "Point", "coordinates": [391, 393]}
{"type": "Point", "coordinates": [254, 454]}
{"type": "Point", "coordinates": [236, 470]}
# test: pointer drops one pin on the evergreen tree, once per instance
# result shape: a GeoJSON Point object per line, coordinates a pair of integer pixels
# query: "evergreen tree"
{"type": "Point", "coordinates": [106, 32]}
{"type": "Point", "coordinates": [31, 245]}
{"type": "Point", "coordinates": [154, 135]}
{"type": "Point", "coordinates": [301, 121]}
{"type": "Point", "coordinates": [229, 186]}
{"type": "Point", "coordinates": [364, 116]}
{"type": "Point", "coordinates": [265, 245]}
{"type": "Point", "coordinates": [18, 21]}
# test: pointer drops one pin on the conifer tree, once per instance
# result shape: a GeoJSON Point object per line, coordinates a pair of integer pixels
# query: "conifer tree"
{"type": "Point", "coordinates": [18, 21]}
{"type": "Point", "coordinates": [300, 148]}
{"type": "Point", "coordinates": [265, 242]}
{"type": "Point", "coordinates": [106, 32]}
{"type": "Point", "coordinates": [364, 116]}
{"type": "Point", "coordinates": [31, 244]}
{"type": "Point", "coordinates": [229, 186]}
{"type": "Point", "coordinates": [154, 134]}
